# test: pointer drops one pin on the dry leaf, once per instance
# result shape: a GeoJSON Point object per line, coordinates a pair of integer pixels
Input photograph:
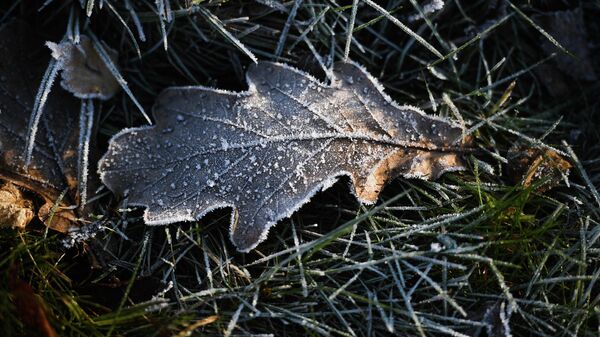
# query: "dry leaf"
{"type": "Point", "coordinates": [15, 210]}
{"type": "Point", "coordinates": [83, 72]}
{"type": "Point", "coordinates": [568, 28]}
{"type": "Point", "coordinates": [54, 163]}
{"type": "Point", "coordinates": [267, 151]}
{"type": "Point", "coordinates": [30, 307]}
{"type": "Point", "coordinates": [529, 165]}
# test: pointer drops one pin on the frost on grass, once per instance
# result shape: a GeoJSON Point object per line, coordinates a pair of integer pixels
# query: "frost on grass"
{"type": "Point", "coordinates": [545, 168]}
{"type": "Point", "coordinates": [54, 163]}
{"type": "Point", "coordinates": [267, 151]}
{"type": "Point", "coordinates": [84, 73]}
{"type": "Point", "coordinates": [429, 8]}
{"type": "Point", "coordinates": [569, 30]}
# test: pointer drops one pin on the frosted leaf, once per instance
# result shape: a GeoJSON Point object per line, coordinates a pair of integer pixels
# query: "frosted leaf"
{"type": "Point", "coordinates": [54, 162]}
{"type": "Point", "coordinates": [532, 166]}
{"type": "Point", "coordinates": [265, 152]}
{"type": "Point", "coordinates": [568, 28]}
{"type": "Point", "coordinates": [83, 72]}
{"type": "Point", "coordinates": [429, 8]}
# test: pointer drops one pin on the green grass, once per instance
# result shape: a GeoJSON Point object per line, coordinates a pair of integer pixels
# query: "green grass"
{"type": "Point", "coordinates": [431, 258]}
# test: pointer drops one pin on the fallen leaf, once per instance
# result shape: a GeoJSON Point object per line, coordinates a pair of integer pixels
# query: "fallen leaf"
{"type": "Point", "coordinates": [15, 210]}
{"type": "Point", "coordinates": [486, 15]}
{"type": "Point", "coordinates": [568, 28]}
{"type": "Point", "coordinates": [82, 70]}
{"type": "Point", "coordinates": [529, 165]}
{"type": "Point", "coordinates": [265, 152]}
{"type": "Point", "coordinates": [555, 81]}
{"type": "Point", "coordinates": [54, 164]}
{"type": "Point", "coordinates": [30, 307]}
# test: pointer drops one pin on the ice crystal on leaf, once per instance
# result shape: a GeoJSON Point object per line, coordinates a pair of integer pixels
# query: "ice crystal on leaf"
{"type": "Point", "coordinates": [83, 72]}
{"type": "Point", "coordinates": [265, 152]}
{"type": "Point", "coordinates": [52, 172]}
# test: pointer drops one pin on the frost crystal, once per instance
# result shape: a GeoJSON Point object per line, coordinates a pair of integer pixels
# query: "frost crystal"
{"type": "Point", "coordinates": [265, 152]}
{"type": "Point", "coordinates": [83, 71]}
{"type": "Point", "coordinates": [53, 165]}
{"type": "Point", "coordinates": [431, 7]}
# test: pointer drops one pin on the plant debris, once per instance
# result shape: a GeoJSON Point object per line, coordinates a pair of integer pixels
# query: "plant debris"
{"type": "Point", "coordinates": [265, 152]}
{"type": "Point", "coordinates": [30, 306]}
{"type": "Point", "coordinates": [53, 171]}
{"type": "Point", "coordinates": [15, 210]}
{"type": "Point", "coordinates": [568, 28]}
{"type": "Point", "coordinates": [83, 72]}
{"type": "Point", "coordinates": [530, 165]}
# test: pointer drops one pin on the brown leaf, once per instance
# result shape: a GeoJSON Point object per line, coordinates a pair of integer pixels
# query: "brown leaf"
{"type": "Point", "coordinates": [57, 218]}
{"type": "Point", "coordinates": [568, 28]}
{"type": "Point", "coordinates": [15, 210]}
{"type": "Point", "coordinates": [30, 307]}
{"type": "Point", "coordinates": [529, 165]}
{"type": "Point", "coordinates": [54, 164]}
{"type": "Point", "coordinates": [83, 72]}
{"type": "Point", "coordinates": [265, 152]}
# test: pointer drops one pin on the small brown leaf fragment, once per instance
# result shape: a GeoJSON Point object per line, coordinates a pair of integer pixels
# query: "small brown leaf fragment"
{"type": "Point", "coordinates": [30, 307]}
{"type": "Point", "coordinates": [529, 165]}
{"type": "Point", "coordinates": [15, 210]}
{"type": "Point", "coordinates": [84, 73]}
{"type": "Point", "coordinates": [57, 217]}
{"type": "Point", "coordinates": [265, 152]}
{"type": "Point", "coordinates": [54, 163]}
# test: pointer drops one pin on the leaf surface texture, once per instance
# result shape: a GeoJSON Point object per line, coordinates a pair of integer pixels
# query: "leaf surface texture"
{"type": "Point", "coordinates": [54, 165]}
{"type": "Point", "coordinates": [265, 152]}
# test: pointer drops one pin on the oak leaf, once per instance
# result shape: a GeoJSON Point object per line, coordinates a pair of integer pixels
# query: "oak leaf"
{"type": "Point", "coordinates": [83, 72]}
{"type": "Point", "coordinates": [54, 164]}
{"type": "Point", "coordinates": [265, 152]}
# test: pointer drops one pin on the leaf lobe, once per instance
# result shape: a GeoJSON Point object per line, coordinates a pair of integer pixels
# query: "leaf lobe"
{"type": "Point", "coordinates": [265, 152]}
